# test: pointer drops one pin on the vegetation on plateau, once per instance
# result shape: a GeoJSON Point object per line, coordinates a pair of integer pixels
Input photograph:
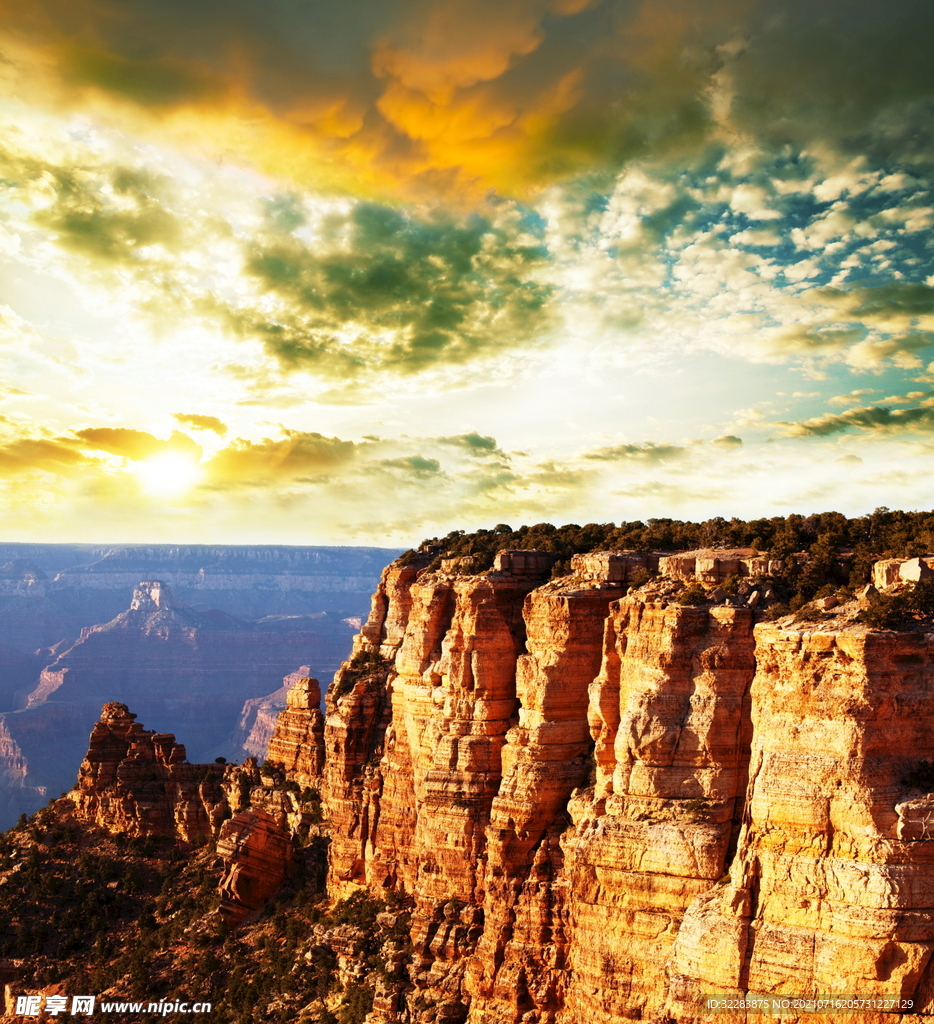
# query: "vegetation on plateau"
{"type": "Point", "coordinates": [825, 553]}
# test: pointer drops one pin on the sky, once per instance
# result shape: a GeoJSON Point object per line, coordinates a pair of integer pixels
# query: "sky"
{"type": "Point", "coordinates": [288, 271]}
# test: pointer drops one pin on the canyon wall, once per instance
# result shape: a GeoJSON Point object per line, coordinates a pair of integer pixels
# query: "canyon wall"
{"type": "Point", "coordinates": [609, 805]}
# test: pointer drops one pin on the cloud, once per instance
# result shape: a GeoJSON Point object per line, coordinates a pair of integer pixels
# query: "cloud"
{"type": "Point", "coordinates": [873, 419]}
{"type": "Point", "coordinates": [887, 301]}
{"type": "Point", "coordinates": [134, 444]}
{"type": "Point", "coordinates": [647, 452]}
{"type": "Point", "coordinates": [509, 93]}
{"type": "Point", "coordinates": [853, 397]}
{"type": "Point", "coordinates": [727, 441]}
{"type": "Point", "coordinates": [110, 220]}
{"type": "Point", "coordinates": [473, 444]}
{"type": "Point", "coordinates": [297, 455]}
{"type": "Point", "coordinates": [379, 290]}
{"type": "Point", "coordinates": [199, 422]}
{"type": "Point", "coordinates": [760, 237]}
{"type": "Point", "coordinates": [31, 453]}
{"type": "Point", "coordinates": [415, 464]}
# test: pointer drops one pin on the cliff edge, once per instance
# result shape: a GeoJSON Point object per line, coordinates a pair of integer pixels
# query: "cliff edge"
{"type": "Point", "coordinates": [612, 801]}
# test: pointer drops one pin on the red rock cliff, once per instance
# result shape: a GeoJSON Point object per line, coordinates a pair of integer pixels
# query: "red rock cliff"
{"type": "Point", "coordinates": [607, 806]}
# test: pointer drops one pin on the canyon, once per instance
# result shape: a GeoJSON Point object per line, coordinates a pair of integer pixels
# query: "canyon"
{"type": "Point", "coordinates": [607, 795]}
{"type": "Point", "coordinates": [198, 638]}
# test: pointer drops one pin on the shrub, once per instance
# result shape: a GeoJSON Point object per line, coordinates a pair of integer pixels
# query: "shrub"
{"type": "Point", "coordinates": [693, 595]}
{"type": "Point", "coordinates": [808, 613]}
{"type": "Point", "coordinates": [364, 665]}
{"type": "Point", "coordinates": [356, 1004]}
{"type": "Point", "coordinates": [640, 577]}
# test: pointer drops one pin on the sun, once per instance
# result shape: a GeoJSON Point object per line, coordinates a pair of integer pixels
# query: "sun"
{"type": "Point", "coordinates": [168, 474]}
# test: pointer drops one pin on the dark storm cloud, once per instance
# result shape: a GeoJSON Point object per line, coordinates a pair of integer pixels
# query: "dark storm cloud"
{"type": "Point", "coordinates": [514, 92]}
{"type": "Point", "coordinates": [857, 75]}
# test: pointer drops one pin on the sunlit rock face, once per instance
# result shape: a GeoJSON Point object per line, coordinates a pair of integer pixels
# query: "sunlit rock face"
{"type": "Point", "coordinates": [297, 740]}
{"type": "Point", "coordinates": [608, 805]}
{"type": "Point", "coordinates": [137, 782]}
{"type": "Point", "coordinates": [830, 889]}
{"type": "Point", "coordinates": [257, 851]}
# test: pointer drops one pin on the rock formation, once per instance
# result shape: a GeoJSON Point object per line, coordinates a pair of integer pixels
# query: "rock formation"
{"type": "Point", "coordinates": [257, 852]}
{"type": "Point", "coordinates": [139, 783]}
{"type": "Point", "coordinates": [297, 741]}
{"type": "Point", "coordinates": [608, 806]}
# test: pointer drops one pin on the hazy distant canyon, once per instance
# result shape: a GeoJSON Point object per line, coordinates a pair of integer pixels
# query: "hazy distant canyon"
{"type": "Point", "coordinates": [199, 638]}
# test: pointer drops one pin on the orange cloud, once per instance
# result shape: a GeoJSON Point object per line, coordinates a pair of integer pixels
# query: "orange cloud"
{"type": "Point", "coordinates": [409, 95]}
{"type": "Point", "coordinates": [405, 94]}
{"type": "Point", "coordinates": [296, 455]}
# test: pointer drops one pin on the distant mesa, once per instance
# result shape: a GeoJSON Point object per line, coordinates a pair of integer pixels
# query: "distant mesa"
{"type": "Point", "coordinates": [152, 595]}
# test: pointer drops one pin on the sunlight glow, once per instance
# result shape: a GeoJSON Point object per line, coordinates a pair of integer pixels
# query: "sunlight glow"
{"type": "Point", "coordinates": [168, 474]}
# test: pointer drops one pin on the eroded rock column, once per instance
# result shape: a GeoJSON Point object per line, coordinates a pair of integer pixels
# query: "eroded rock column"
{"type": "Point", "coordinates": [656, 830]}
{"type": "Point", "coordinates": [831, 890]}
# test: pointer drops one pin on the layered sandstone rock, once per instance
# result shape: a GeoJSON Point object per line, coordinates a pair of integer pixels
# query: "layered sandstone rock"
{"type": "Point", "coordinates": [138, 782]}
{"type": "Point", "coordinates": [830, 888]}
{"type": "Point", "coordinates": [607, 807]}
{"type": "Point", "coordinates": [257, 851]}
{"type": "Point", "coordinates": [257, 723]}
{"type": "Point", "coordinates": [297, 742]}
